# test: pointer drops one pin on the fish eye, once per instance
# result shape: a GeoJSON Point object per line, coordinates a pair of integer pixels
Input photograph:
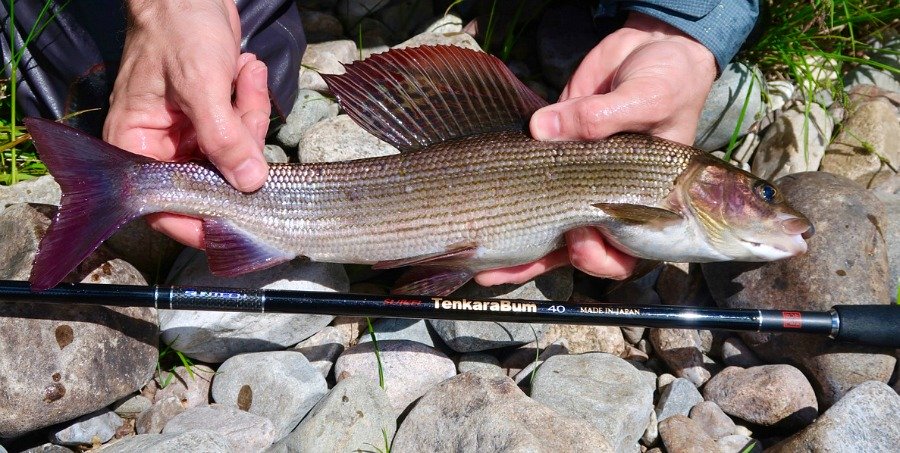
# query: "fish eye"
{"type": "Point", "coordinates": [766, 192]}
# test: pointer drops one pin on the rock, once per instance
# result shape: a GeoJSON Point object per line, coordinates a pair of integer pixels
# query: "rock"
{"type": "Point", "coordinates": [865, 419]}
{"type": "Point", "coordinates": [633, 334]}
{"type": "Point", "coordinates": [274, 154]}
{"type": "Point", "coordinates": [319, 26]}
{"type": "Point", "coordinates": [472, 336]}
{"type": "Point", "coordinates": [387, 329]}
{"type": "Point", "coordinates": [340, 139]}
{"type": "Point", "coordinates": [767, 395]}
{"type": "Point", "coordinates": [79, 360]}
{"type": "Point", "coordinates": [724, 103]}
{"type": "Point", "coordinates": [482, 411]}
{"type": "Point", "coordinates": [131, 406]}
{"type": "Point", "coordinates": [445, 25]}
{"type": "Point", "coordinates": [212, 337]}
{"type": "Point", "coordinates": [780, 92]}
{"type": "Point", "coordinates": [735, 443]}
{"type": "Point", "coordinates": [736, 353]}
{"type": "Point", "coordinates": [45, 448]}
{"type": "Point", "coordinates": [524, 377]}
{"type": "Point", "coordinates": [839, 268]}
{"type": "Point", "coordinates": [322, 349]}
{"type": "Point", "coordinates": [565, 36]}
{"type": "Point", "coordinates": [881, 52]}
{"type": "Point", "coordinates": [682, 284]}
{"type": "Point", "coordinates": [96, 427]}
{"type": "Point", "coordinates": [677, 398]}
{"type": "Point", "coordinates": [284, 393]}
{"type": "Point", "coordinates": [869, 135]}
{"type": "Point", "coordinates": [681, 350]}
{"type": "Point", "coordinates": [608, 392]}
{"type": "Point", "coordinates": [190, 388]}
{"type": "Point", "coordinates": [891, 230]}
{"type": "Point", "coordinates": [680, 434]}
{"type": "Point", "coordinates": [432, 39]}
{"type": "Point", "coordinates": [712, 419]}
{"type": "Point", "coordinates": [242, 430]}
{"type": "Point", "coordinates": [309, 108]}
{"type": "Point", "coordinates": [324, 58]}
{"type": "Point", "coordinates": [651, 433]}
{"type": "Point", "coordinates": [41, 190]}
{"type": "Point", "coordinates": [476, 361]}
{"type": "Point", "coordinates": [794, 143]}
{"type": "Point", "coordinates": [410, 368]}
{"type": "Point", "coordinates": [664, 380]}
{"type": "Point", "coordinates": [153, 420]}
{"type": "Point", "coordinates": [196, 441]}
{"type": "Point", "coordinates": [356, 415]}
{"type": "Point", "coordinates": [579, 339]}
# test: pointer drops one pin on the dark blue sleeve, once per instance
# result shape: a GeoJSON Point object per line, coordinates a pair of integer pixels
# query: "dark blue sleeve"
{"type": "Point", "coordinates": [720, 25]}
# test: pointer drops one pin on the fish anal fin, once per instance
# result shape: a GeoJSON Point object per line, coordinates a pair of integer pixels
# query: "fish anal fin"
{"type": "Point", "coordinates": [232, 251]}
{"type": "Point", "coordinates": [635, 213]}
{"type": "Point", "coordinates": [456, 252]}
{"type": "Point", "coordinates": [432, 281]}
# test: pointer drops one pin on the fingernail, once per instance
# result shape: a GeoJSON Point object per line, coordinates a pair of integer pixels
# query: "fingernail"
{"type": "Point", "coordinates": [250, 174]}
{"type": "Point", "coordinates": [260, 78]}
{"type": "Point", "coordinates": [546, 125]}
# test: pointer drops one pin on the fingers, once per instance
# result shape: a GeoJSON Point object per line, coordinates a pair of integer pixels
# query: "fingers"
{"type": "Point", "coordinates": [523, 272]}
{"type": "Point", "coordinates": [593, 256]}
{"type": "Point", "coordinates": [252, 98]}
{"type": "Point", "coordinates": [186, 230]}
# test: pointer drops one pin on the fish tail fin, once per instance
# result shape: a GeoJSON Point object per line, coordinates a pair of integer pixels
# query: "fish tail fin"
{"type": "Point", "coordinates": [94, 178]}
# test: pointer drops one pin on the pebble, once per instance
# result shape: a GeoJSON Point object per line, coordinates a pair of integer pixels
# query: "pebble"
{"type": "Point", "coordinates": [724, 103]}
{"type": "Point", "coordinates": [677, 398]}
{"type": "Point", "coordinates": [712, 419]}
{"type": "Point", "coordinates": [838, 268]}
{"type": "Point", "coordinates": [579, 339]}
{"type": "Point", "coordinates": [131, 406]}
{"type": "Point", "coordinates": [41, 190]}
{"type": "Point", "coordinates": [433, 39]}
{"type": "Point", "coordinates": [325, 58]}
{"type": "Point", "coordinates": [681, 350]}
{"type": "Point", "coordinates": [327, 141]}
{"type": "Point", "coordinates": [96, 427]}
{"type": "Point", "coordinates": [213, 337]}
{"type": "Point", "coordinates": [473, 336]}
{"type": "Point", "coordinates": [736, 353]}
{"type": "Point", "coordinates": [444, 25]}
{"type": "Point", "coordinates": [476, 361]}
{"type": "Point", "coordinates": [680, 434]}
{"type": "Point", "coordinates": [891, 231]}
{"type": "Point", "coordinates": [871, 123]}
{"type": "Point", "coordinates": [482, 411]}
{"type": "Point", "coordinates": [794, 143]}
{"type": "Point", "coordinates": [768, 395]}
{"type": "Point", "coordinates": [410, 368]}
{"type": "Point", "coordinates": [242, 430]}
{"type": "Point", "coordinates": [309, 108]}
{"type": "Point", "coordinates": [287, 389]}
{"type": "Point", "coordinates": [735, 443]}
{"type": "Point", "coordinates": [322, 349]}
{"type": "Point", "coordinates": [196, 441]}
{"type": "Point", "coordinates": [399, 329]}
{"type": "Point", "coordinates": [780, 92]}
{"type": "Point", "coordinates": [603, 389]}
{"type": "Point", "coordinates": [523, 377]}
{"type": "Point", "coordinates": [153, 420]}
{"type": "Point", "coordinates": [45, 448]}
{"type": "Point", "coordinates": [275, 154]}
{"type": "Point", "coordinates": [356, 415]}
{"type": "Point", "coordinates": [191, 388]}
{"type": "Point", "coordinates": [651, 433]}
{"type": "Point", "coordinates": [865, 419]}
{"type": "Point", "coordinates": [633, 334]}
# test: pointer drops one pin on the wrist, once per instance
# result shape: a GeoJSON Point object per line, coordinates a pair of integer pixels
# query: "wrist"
{"type": "Point", "coordinates": [149, 13]}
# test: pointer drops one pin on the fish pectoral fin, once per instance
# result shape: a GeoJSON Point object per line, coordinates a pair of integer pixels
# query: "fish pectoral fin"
{"type": "Point", "coordinates": [635, 213]}
{"type": "Point", "coordinates": [232, 251]}
{"type": "Point", "coordinates": [432, 281]}
{"type": "Point", "coordinates": [456, 252]}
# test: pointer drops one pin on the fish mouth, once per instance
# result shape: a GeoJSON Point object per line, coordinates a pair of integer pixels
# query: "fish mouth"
{"type": "Point", "coordinates": [769, 251]}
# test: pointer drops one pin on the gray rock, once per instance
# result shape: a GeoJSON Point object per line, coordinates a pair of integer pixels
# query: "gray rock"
{"type": "Point", "coordinates": [340, 139]}
{"type": "Point", "coordinates": [680, 434]}
{"type": "Point", "coordinates": [677, 398]}
{"type": "Point", "coordinates": [712, 419]}
{"type": "Point", "coordinates": [736, 353]}
{"type": "Point", "coordinates": [795, 142]}
{"type": "Point", "coordinates": [483, 411]}
{"type": "Point", "coordinates": [287, 389]}
{"type": "Point", "coordinates": [523, 378]}
{"type": "Point", "coordinates": [444, 25]}
{"type": "Point", "coordinates": [579, 339]}
{"type": "Point", "coordinates": [45, 448]}
{"type": "Point", "coordinates": [565, 36]}
{"type": "Point", "coordinates": [664, 380]}
{"type": "Point", "coordinates": [153, 420]}
{"type": "Point", "coordinates": [96, 427]}
{"type": "Point", "coordinates": [865, 419]}
{"type": "Point", "coordinates": [130, 406]}
{"type": "Point", "coordinates": [472, 336]}
{"type": "Point", "coordinates": [324, 58]}
{"type": "Point", "coordinates": [724, 103]}
{"type": "Point", "coordinates": [651, 433]}
{"type": "Point", "coordinates": [355, 416]}
{"type": "Point", "coordinates": [734, 443]}
{"type": "Point", "coordinates": [399, 329]}
{"type": "Point", "coordinates": [475, 361]}
{"type": "Point", "coordinates": [322, 349]}
{"type": "Point", "coordinates": [274, 154]}
{"type": "Point", "coordinates": [767, 395]}
{"type": "Point", "coordinates": [681, 349]}
{"type": "Point", "coordinates": [189, 387]}
{"type": "Point", "coordinates": [42, 190]}
{"type": "Point", "coordinates": [433, 39]}
{"type": "Point", "coordinates": [196, 441]}
{"type": "Point", "coordinates": [605, 390]}
{"type": "Point", "coordinates": [309, 108]}
{"type": "Point", "coordinates": [242, 430]}
{"type": "Point", "coordinates": [780, 92]}
{"type": "Point", "coordinates": [838, 268]}
{"type": "Point", "coordinates": [633, 334]}
{"type": "Point", "coordinates": [891, 229]}
{"type": "Point", "coordinates": [681, 284]}
{"type": "Point", "coordinates": [215, 336]}
{"type": "Point", "coordinates": [410, 368]}
{"type": "Point", "coordinates": [868, 135]}
{"type": "Point", "coordinates": [79, 360]}
{"type": "Point", "coordinates": [884, 53]}
{"type": "Point", "coordinates": [319, 26]}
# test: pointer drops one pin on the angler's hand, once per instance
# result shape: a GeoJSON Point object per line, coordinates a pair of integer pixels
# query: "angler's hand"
{"type": "Point", "coordinates": [172, 99]}
{"type": "Point", "coordinates": [646, 77]}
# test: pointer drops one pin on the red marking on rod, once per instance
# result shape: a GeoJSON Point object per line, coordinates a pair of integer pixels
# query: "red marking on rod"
{"type": "Point", "coordinates": [792, 319]}
{"type": "Point", "coordinates": [402, 302]}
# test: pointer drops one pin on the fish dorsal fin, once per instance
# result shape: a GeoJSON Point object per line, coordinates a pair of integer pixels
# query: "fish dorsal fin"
{"type": "Point", "coordinates": [417, 96]}
{"type": "Point", "coordinates": [635, 213]}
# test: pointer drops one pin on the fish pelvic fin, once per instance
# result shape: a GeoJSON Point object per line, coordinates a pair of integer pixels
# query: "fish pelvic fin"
{"type": "Point", "coordinates": [437, 281]}
{"type": "Point", "coordinates": [418, 96]}
{"type": "Point", "coordinates": [454, 253]}
{"type": "Point", "coordinates": [231, 251]}
{"type": "Point", "coordinates": [94, 178]}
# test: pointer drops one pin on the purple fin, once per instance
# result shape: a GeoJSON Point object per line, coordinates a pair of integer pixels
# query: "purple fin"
{"type": "Point", "coordinates": [414, 97]}
{"type": "Point", "coordinates": [231, 251]}
{"type": "Point", "coordinates": [95, 196]}
{"type": "Point", "coordinates": [432, 281]}
{"type": "Point", "coordinates": [454, 253]}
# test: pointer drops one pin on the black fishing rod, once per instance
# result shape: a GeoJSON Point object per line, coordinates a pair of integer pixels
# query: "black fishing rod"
{"type": "Point", "coordinates": [876, 325]}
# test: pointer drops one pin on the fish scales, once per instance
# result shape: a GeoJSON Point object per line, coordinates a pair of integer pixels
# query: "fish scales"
{"type": "Point", "coordinates": [498, 190]}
